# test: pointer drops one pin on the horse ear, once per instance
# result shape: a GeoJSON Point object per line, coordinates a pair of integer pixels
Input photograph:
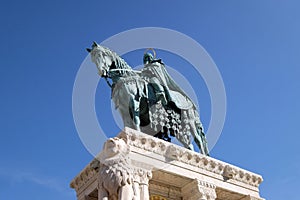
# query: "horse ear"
{"type": "Point", "coordinates": [95, 44]}
{"type": "Point", "coordinates": [88, 50]}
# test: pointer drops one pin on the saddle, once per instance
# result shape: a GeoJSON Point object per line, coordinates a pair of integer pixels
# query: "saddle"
{"type": "Point", "coordinates": [182, 102]}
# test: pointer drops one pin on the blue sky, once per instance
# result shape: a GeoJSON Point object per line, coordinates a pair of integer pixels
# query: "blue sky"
{"type": "Point", "coordinates": [255, 45]}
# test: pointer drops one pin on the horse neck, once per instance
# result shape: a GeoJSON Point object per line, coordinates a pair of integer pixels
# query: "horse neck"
{"type": "Point", "coordinates": [121, 63]}
{"type": "Point", "coordinates": [120, 69]}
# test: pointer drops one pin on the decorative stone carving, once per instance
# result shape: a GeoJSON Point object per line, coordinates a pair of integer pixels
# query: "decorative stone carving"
{"type": "Point", "coordinates": [174, 152]}
{"type": "Point", "coordinates": [123, 169]}
{"type": "Point", "coordinates": [115, 173]}
{"type": "Point", "coordinates": [118, 179]}
{"type": "Point", "coordinates": [199, 190]}
{"type": "Point", "coordinates": [142, 178]}
{"type": "Point", "coordinates": [87, 175]}
{"type": "Point", "coordinates": [228, 172]}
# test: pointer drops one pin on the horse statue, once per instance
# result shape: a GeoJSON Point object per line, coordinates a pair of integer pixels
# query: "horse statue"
{"type": "Point", "coordinates": [149, 100]}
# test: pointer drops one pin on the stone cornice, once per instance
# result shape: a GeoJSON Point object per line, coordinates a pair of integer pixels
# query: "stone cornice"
{"type": "Point", "coordinates": [86, 175]}
{"type": "Point", "coordinates": [175, 152]}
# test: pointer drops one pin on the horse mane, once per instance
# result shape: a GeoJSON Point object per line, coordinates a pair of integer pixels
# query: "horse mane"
{"type": "Point", "coordinates": [119, 63]}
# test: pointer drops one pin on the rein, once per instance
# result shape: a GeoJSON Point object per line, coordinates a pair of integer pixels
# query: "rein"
{"type": "Point", "coordinates": [113, 70]}
{"type": "Point", "coordinates": [130, 70]}
{"type": "Point", "coordinates": [108, 83]}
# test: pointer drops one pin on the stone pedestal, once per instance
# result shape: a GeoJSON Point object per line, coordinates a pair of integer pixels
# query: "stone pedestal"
{"type": "Point", "coordinates": [138, 166]}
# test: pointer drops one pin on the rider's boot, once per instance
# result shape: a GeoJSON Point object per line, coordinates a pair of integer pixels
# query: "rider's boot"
{"type": "Point", "coordinates": [160, 96]}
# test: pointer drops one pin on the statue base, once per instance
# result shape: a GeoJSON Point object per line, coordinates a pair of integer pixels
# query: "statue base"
{"type": "Point", "coordinates": [138, 166]}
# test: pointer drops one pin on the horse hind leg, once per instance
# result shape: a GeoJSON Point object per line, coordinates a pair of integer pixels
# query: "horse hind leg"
{"type": "Point", "coordinates": [203, 140]}
{"type": "Point", "coordinates": [200, 139]}
{"type": "Point", "coordinates": [190, 146]}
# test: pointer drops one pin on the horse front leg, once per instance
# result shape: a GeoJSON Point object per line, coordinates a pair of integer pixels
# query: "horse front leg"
{"type": "Point", "coordinates": [135, 105]}
{"type": "Point", "coordinates": [125, 112]}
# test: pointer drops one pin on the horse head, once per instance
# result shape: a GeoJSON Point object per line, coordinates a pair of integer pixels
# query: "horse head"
{"type": "Point", "coordinates": [102, 57]}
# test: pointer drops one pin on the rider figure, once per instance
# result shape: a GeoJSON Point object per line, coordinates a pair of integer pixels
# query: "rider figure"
{"type": "Point", "coordinates": [152, 70]}
{"type": "Point", "coordinates": [155, 72]}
